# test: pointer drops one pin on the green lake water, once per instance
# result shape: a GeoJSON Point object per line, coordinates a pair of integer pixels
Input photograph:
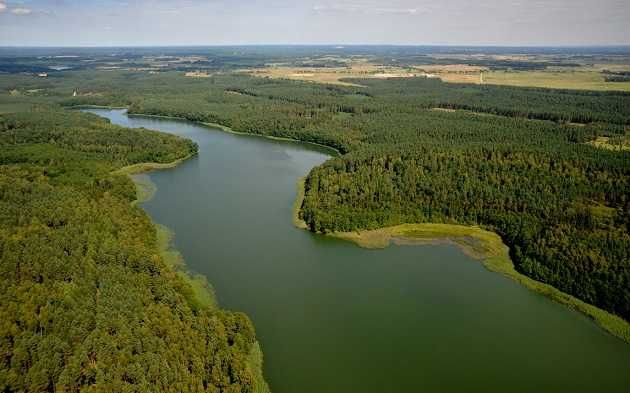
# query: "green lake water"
{"type": "Point", "coordinates": [333, 317]}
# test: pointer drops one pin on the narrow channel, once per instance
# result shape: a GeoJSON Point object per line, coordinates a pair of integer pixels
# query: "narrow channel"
{"type": "Point", "coordinates": [332, 317]}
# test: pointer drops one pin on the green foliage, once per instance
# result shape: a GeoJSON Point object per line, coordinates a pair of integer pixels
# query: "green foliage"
{"type": "Point", "coordinates": [505, 158]}
{"type": "Point", "coordinates": [545, 204]}
{"type": "Point", "coordinates": [534, 103]}
{"type": "Point", "coordinates": [86, 300]}
{"type": "Point", "coordinates": [535, 182]}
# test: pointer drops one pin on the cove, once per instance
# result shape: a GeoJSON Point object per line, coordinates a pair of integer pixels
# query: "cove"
{"type": "Point", "coordinates": [333, 317]}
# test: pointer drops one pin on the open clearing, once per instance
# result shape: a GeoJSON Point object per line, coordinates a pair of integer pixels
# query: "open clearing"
{"type": "Point", "coordinates": [334, 75]}
{"type": "Point", "coordinates": [582, 78]}
{"type": "Point", "coordinates": [616, 144]}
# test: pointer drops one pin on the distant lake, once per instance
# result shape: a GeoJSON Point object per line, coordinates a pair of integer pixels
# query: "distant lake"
{"type": "Point", "coordinates": [332, 317]}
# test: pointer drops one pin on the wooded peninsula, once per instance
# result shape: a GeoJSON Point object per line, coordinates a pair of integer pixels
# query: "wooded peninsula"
{"type": "Point", "coordinates": [82, 274]}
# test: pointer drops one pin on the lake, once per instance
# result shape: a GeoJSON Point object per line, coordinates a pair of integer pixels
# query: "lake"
{"type": "Point", "coordinates": [333, 317]}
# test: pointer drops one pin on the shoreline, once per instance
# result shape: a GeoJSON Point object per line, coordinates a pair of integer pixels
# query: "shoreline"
{"type": "Point", "coordinates": [145, 189]}
{"type": "Point", "coordinates": [221, 127]}
{"type": "Point", "coordinates": [482, 245]}
{"type": "Point", "coordinates": [144, 167]}
{"type": "Point", "coordinates": [215, 126]}
{"type": "Point", "coordinates": [297, 205]}
{"type": "Point", "coordinates": [486, 246]}
{"type": "Point", "coordinates": [336, 152]}
{"type": "Point", "coordinates": [202, 290]}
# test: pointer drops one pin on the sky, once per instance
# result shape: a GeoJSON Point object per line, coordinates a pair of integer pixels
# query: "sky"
{"type": "Point", "coordinates": [236, 22]}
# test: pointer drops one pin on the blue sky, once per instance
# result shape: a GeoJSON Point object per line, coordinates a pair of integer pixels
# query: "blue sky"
{"type": "Point", "coordinates": [219, 22]}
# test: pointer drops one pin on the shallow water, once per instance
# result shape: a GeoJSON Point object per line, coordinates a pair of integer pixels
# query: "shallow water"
{"type": "Point", "coordinates": [332, 317]}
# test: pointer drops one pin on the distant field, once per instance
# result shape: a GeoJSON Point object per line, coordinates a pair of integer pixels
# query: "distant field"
{"type": "Point", "coordinates": [583, 80]}
{"type": "Point", "coordinates": [319, 75]}
{"type": "Point", "coordinates": [334, 75]}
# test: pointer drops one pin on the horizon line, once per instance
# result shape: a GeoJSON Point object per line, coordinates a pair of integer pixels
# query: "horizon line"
{"type": "Point", "coordinates": [613, 45]}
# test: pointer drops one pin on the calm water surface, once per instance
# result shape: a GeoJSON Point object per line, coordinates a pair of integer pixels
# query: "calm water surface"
{"type": "Point", "coordinates": [332, 317]}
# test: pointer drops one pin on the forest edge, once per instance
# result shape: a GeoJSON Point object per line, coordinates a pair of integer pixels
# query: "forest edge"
{"type": "Point", "coordinates": [478, 243]}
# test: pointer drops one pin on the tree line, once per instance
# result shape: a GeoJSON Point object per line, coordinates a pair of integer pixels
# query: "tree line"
{"type": "Point", "coordinates": [513, 161]}
{"type": "Point", "coordinates": [86, 300]}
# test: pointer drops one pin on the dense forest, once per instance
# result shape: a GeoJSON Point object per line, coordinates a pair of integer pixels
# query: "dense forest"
{"type": "Point", "coordinates": [513, 160]}
{"type": "Point", "coordinates": [86, 300]}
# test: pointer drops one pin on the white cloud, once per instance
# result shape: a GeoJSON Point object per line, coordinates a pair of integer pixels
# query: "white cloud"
{"type": "Point", "coordinates": [2, 7]}
{"type": "Point", "coordinates": [369, 8]}
{"type": "Point", "coordinates": [21, 11]}
{"type": "Point", "coordinates": [396, 10]}
{"type": "Point", "coordinates": [455, 22]}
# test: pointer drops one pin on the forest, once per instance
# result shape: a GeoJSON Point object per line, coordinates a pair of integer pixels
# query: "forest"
{"type": "Point", "coordinates": [86, 300]}
{"type": "Point", "coordinates": [512, 160]}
